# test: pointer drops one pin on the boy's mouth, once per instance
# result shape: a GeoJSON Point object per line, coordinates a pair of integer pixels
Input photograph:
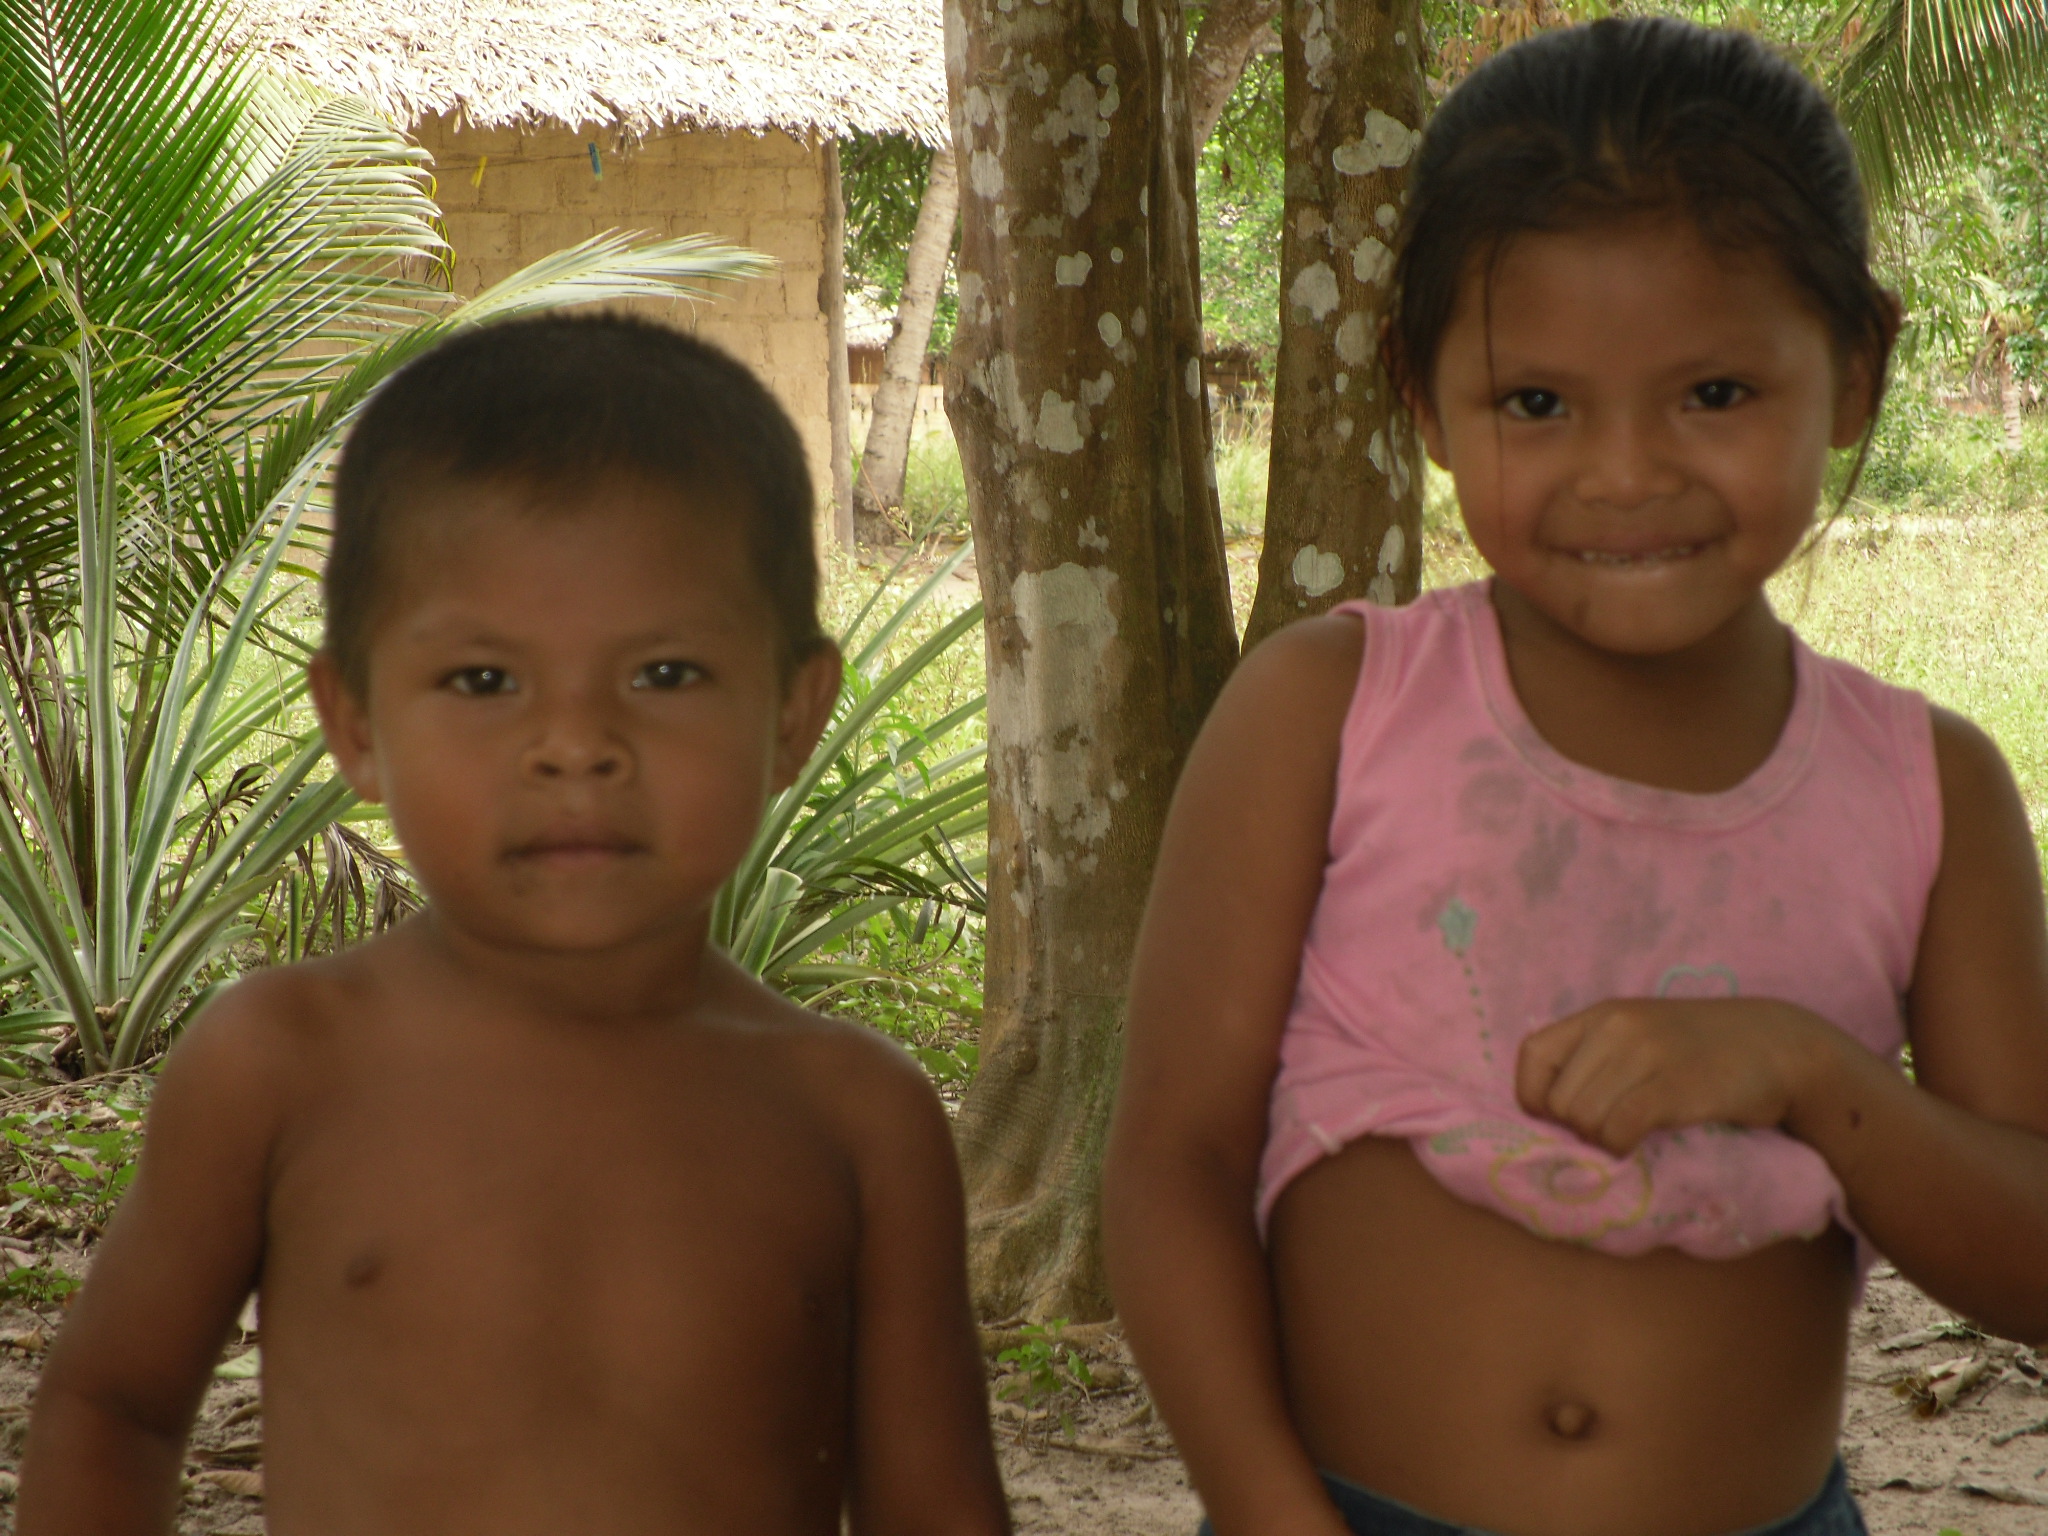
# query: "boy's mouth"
{"type": "Point", "coordinates": [575, 848]}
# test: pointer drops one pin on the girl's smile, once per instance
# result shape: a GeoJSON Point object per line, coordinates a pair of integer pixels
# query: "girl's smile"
{"type": "Point", "coordinates": [1639, 426]}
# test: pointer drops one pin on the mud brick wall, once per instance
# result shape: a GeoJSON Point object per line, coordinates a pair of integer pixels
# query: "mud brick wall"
{"type": "Point", "coordinates": [538, 194]}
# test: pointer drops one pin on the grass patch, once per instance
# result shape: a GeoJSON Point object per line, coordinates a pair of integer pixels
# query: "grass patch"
{"type": "Point", "coordinates": [1957, 608]}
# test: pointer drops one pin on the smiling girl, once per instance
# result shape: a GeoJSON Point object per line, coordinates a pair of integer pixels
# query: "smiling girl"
{"type": "Point", "coordinates": [1512, 1105]}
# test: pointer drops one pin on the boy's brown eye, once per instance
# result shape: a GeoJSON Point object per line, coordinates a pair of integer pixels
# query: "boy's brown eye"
{"type": "Point", "coordinates": [1534, 404]}
{"type": "Point", "coordinates": [481, 682]}
{"type": "Point", "coordinates": [667, 674]}
{"type": "Point", "coordinates": [1718, 394]}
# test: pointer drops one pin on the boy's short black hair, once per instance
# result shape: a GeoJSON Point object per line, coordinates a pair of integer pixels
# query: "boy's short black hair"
{"type": "Point", "coordinates": [561, 403]}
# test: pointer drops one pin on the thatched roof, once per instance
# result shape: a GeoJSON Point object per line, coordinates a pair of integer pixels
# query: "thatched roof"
{"type": "Point", "coordinates": [805, 66]}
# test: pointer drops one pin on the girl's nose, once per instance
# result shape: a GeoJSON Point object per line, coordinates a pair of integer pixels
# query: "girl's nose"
{"type": "Point", "coordinates": [1628, 463]}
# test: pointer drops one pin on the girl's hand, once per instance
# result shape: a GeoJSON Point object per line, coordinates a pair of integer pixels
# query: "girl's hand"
{"type": "Point", "coordinates": [1621, 1069]}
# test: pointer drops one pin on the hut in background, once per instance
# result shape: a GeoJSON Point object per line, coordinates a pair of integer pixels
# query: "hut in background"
{"type": "Point", "coordinates": [553, 120]}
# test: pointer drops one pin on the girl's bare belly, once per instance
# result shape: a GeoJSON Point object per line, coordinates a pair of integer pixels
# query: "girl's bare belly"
{"type": "Point", "coordinates": [1443, 1356]}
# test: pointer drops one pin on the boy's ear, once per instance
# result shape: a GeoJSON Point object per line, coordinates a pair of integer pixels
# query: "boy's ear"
{"type": "Point", "coordinates": [807, 700]}
{"type": "Point", "coordinates": [346, 724]}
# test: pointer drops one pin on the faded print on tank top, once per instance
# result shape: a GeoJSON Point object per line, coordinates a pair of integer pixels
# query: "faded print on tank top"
{"type": "Point", "coordinates": [1480, 886]}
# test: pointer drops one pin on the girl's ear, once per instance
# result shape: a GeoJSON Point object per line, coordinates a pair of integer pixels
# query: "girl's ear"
{"type": "Point", "coordinates": [1429, 425]}
{"type": "Point", "coordinates": [807, 700]}
{"type": "Point", "coordinates": [1393, 365]}
{"type": "Point", "coordinates": [345, 721]}
{"type": "Point", "coordinates": [1863, 378]}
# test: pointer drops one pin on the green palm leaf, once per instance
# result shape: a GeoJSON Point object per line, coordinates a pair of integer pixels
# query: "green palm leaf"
{"type": "Point", "coordinates": [1927, 80]}
{"type": "Point", "coordinates": [203, 274]}
{"type": "Point", "coordinates": [233, 240]}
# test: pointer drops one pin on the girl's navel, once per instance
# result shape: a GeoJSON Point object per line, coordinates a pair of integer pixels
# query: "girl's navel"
{"type": "Point", "coordinates": [1571, 1420]}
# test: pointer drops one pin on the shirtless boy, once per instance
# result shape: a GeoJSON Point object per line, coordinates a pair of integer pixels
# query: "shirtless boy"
{"type": "Point", "coordinates": [561, 1223]}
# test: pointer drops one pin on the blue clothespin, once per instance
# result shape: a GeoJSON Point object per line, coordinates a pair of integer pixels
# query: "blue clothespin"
{"type": "Point", "coordinates": [596, 165]}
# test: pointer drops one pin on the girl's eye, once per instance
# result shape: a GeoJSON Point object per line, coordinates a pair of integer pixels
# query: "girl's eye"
{"type": "Point", "coordinates": [667, 674]}
{"type": "Point", "coordinates": [481, 682]}
{"type": "Point", "coordinates": [1534, 404]}
{"type": "Point", "coordinates": [1718, 394]}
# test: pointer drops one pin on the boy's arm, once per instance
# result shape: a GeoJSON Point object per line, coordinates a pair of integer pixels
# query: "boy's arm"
{"type": "Point", "coordinates": [106, 1439]}
{"type": "Point", "coordinates": [923, 1461]}
{"type": "Point", "coordinates": [1240, 870]}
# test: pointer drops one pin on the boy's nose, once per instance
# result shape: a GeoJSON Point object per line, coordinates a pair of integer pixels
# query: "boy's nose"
{"type": "Point", "coordinates": [575, 744]}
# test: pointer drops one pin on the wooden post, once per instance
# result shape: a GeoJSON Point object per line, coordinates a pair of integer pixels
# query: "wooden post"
{"type": "Point", "coordinates": [838, 385]}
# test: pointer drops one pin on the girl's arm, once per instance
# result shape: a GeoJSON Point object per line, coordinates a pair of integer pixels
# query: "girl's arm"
{"type": "Point", "coordinates": [1950, 1178]}
{"type": "Point", "coordinates": [1947, 1174]}
{"type": "Point", "coordinates": [1239, 871]}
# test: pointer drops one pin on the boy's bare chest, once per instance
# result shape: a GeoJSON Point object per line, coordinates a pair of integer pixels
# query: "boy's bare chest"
{"type": "Point", "coordinates": [621, 1241]}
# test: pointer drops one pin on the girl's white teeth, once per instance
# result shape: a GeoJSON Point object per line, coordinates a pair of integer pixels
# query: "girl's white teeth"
{"type": "Point", "coordinates": [1643, 557]}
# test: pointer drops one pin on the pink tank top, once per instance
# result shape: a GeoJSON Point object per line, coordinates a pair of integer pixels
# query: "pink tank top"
{"type": "Point", "coordinates": [1480, 885]}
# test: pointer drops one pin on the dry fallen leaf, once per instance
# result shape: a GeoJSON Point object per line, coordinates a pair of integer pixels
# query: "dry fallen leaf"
{"type": "Point", "coordinates": [29, 1341]}
{"type": "Point", "coordinates": [1935, 1391]}
{"type": "Point", "coordinates": [2005, 1493]}
{"type": "Point", "coordinates": [1953, 1386]}
{"type": "Point", "coordinates": [243, 1485]}
{"type": "Point", "coordinates": [1929, 1335]}
{"type": "Point", "coordinates": [243, 1413]}
{"type": "Point", "coordinates": [9, 1484]}
{"type": "Point", "coordinates": [242, 1453]}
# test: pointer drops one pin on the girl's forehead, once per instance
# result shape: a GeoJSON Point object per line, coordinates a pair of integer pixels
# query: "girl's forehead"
{"type": "Point", "coordinates": [1616, 291]}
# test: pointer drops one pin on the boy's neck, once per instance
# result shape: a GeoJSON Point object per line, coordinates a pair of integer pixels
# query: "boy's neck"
{"type": "Point", "coordinates": [649, 980]}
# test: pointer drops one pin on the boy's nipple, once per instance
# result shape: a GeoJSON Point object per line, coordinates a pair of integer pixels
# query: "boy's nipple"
{"type": "Point", "coordinates": [1571, 1421]}
{"type": "Point", "coordinates": [363, 1269]}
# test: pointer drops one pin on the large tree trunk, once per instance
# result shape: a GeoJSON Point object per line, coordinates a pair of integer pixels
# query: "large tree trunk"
{"type": "Point", "coordinates": [887, 453]}
{"type": "Point", "coordinates": [838, 387]}
{"type": "Point", "coordinates": [1230, 33]}
{"type": "Point", "coordinates": [1344, 490]}
{"type": "Point", "coordinates": [1075, 390]}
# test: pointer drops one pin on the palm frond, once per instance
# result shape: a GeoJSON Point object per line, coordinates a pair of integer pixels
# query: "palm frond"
{"type": "Point", "coordinates": [1927, 80]}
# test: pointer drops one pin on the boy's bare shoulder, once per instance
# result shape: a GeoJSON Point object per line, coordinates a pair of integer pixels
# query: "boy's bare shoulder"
{"type": "Point", "coordinates": [272, 1025]}
{"type": "Point", "coordinates": [841, 1064]}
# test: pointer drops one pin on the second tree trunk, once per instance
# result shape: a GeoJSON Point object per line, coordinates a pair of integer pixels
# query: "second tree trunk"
{"type": "Point", "coordinates": [1344, 492]}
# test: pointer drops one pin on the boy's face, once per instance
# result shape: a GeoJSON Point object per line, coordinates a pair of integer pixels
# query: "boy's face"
{"type": "Point", "coordinates": [574, 718]}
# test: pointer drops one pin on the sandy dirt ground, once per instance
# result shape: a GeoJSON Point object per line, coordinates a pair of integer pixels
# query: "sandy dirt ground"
{"type": "Point", "coordinates": [1944, 1431]}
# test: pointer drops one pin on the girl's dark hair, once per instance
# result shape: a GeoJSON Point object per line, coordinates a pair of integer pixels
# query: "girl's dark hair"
{"type": "Point", "coordinates": [561, 402]}
{"type": "Point", "coordinates": [1623, 118]}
